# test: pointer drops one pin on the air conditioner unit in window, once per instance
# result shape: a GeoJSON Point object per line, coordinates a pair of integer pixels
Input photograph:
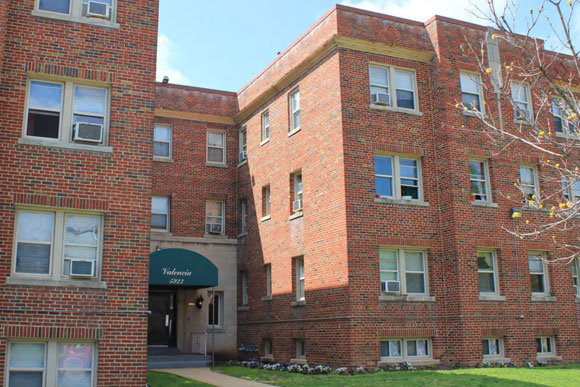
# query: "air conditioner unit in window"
{"type": "Point", "coordinates": [391, 286]}
{"type": "Point", "coordinates": [243, 156]}
{"type": "Point", "coordinates": [98, 9]}
{"type": "Point", "coordinates": [297, 205]}
{"type": "Point", "coordinates": [82, 268]}
{"type": "Point", "coordinates": [381, 99]}
{"type": "Point", "coordinates": [214, 228]}
{"type": "Point", "coordinates": [84, 131]}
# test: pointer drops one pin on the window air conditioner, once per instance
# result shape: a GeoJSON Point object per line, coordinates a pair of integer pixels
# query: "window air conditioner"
{"type": "Point", "coordinates": [391, 286]}
{"type": "Point", "coordinates": [297, 205]}
{"type": "Point", "coordinates": [84, 131]}
{"type": "Point", "coordinates": [214, 228]}
{"type": "Point", "coordinates": [243, 156]}
{"type": "Point", "coordinates": [82, 268]}
{"type": "Point", "coordinates": [381, 99]}
{"type": "Point", "coordinates": [98, 9]}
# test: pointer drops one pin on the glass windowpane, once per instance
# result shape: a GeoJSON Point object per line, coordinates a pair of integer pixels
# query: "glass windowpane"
{"type": "Point", "coordinates": [90, 100]}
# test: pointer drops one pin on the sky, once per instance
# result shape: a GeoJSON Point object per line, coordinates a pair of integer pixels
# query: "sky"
{"type": "Point", "coordinates": [222, 44]}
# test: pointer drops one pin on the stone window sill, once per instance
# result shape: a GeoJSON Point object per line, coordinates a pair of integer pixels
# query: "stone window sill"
{"type": "Point", "coordinates": [403, 202]}
{"type": "Point", "coordinates": [293, 132]}
{"type": "Point", "coordinates": [214, 236]}
{"type": "Point", "coordinates": [296, 215]}
{"type": "Point", "coordinates": [543, 298]}
{"type": "Point", "coordinates": [163, 159]}
{"type": "Point", "coordinates": [64, 145]}
{"type": "Point", "coordinates": [549, 358]}
{"type": "Point", "coordinates": [216, 330]}
{"type": "Point", "coordinates": [267, 298]}
{"type": "Point", "coordinates": [265, 141]}
{"type": "Point", "coordinates": [495, 360]}
{"type": "Point", "coordinates": [244, 234]}
{"type": "Point", "coordinates": [406, 297]}
{"type": "Point", "coordinates": [297, 304]}
{"type": "Point", "coordinates": [298, 361]}
{"type": "Point", "coordinates": [244, 162]}
{"type": "Point", "coordinates": [491, 297]}
{"type": "Point", "coordinates": [64, 283]}
{"type": "Point", "coordinates": [215, 165]}
{"type": "Point", "coordinates": [396, 109]}
{"type": "Point", "coordinates": [417, 362]}
{"type": "Point", "coordinates": [269, 359]}
{"type": "Point", "coordinates": [83, 20]}
{"type": "Point", "coordinates": [265, 218]}
{"type": "Point", "coordinates": [481, 203]}
{"type": "Point", "coordinates": [469, 113]}
{"type": "Point", "coordinates": [244, 308]}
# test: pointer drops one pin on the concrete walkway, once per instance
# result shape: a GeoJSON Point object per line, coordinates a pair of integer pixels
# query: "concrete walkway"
{"type": "Point", "coordinates": [206, 375]}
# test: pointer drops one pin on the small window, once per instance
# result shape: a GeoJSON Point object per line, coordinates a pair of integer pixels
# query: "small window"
{"type": "Point", "coordinates": [26, 364]}
{"type": "Point", "coordinates": [268, 348]}
{"type": "Point", "coordinates": [162, 142]}
{"type": "Point", "coordinates": [538, 274]}
{"type": "Point", "coordinates": [45, 101]}
{"type": "Point", "coordinates": [160, 213]}
{"type": "Point", "coordinates": [397, 178]}
{"type": "Point", "coordinates": [576, 276]}
{"type": "Point", "coordinates": [403, 271]}
{"type": "Point", "coordinates": [214, 217]}
{"type": "Point", "coordinates": [545, 346]}
{"type": "Point", "coordinates": [297, 202]}
{"type": "Point", "coordinates": [571, 189]}
{"type": "Point", "coordinates": [299, 268]}
{"type": "Point", "coordinates": [521, 100]}
{"type": "Point", "coordinates": [492, 348]}
{"type": "Point", "coordinates": [244, 276]}
{"type": "Point", "coordinates": [56, 6]}
{"type": "Point", "coordinates": [216, 309]}
{"type": "Point", "coordinates": [470, 90]}
{"type": "Point", "coordinates": [81, 245]}
{"type": "Point", "coordinates": [266, 201]}
{"type": "Point", "coordinates": [265, 126]}
{"type": "Point", "coordinates": [294, 110]}
{"type": "Point", "coordinates": [268, 268]}
{"type": "Point", "coordinates": [216, 146]}
{"type": "Point", "coordinates": [560, 112]}
{"type": "Point", "coordinates": [402, 93]}
{"type": "Point", "coordinates": [244, 216]}
{"type": "Point", "coordinates": [243, 155]}
{"type": "Point", "coordinates": [300, 349]}
{"type": "Point", "coordinates": [529, 183]}
{"type": "Point", "coordinates": [410, 349]}
{"type": "Point", "coordinates": [479, 178]}
{"type": "Point", "coordinates": [487, 270]}
{"type": "Point", "coordinates": [34, 244]}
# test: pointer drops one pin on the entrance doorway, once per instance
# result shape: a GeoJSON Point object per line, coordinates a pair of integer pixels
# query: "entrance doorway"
{"type": "Point", "coordinates": [162, 320]}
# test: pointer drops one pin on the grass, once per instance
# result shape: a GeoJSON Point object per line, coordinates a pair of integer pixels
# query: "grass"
{"type": "Point", "coordinates": [568, 376]}
{"type": "Point", "coordinates": [161, 379]}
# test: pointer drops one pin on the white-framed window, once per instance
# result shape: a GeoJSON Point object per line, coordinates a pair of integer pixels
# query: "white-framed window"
{"type": "Point", "coordinates": [214, 217]}
{"type": "Point", "coordinates": [160, 213]}
{"type": "Point", "coordinates": [403, 271]}
{"type": "Point", "coordinates": [67, 112]}
{"type": "Point", "coordinates": [294, 110]}
{"type": "Point", "coordinates": [571, 189]}
{"type": "Point", "coordinates": [297, 201]}
{"type": "Point", "coordinates": [529, 182]}
{"type": "Point", "coordinates": [266, 201]}
{"type": "Point", "coordinates": [38, 364]}
{"type": "Point", "coordinates": [545, 346]}
{"type": "Point", "coordinates": [410, 349]}
{"type": "Point", "coordinates": [265, 126]}
{"type": "Point", "coordinates": [97, 11]}
{"type": "Point", "coordinates": [521, 99]}
{"type": "Point", "coordinates": [244, 216]}
{"type": "Point", "coordinates": [576, 276]}
{"type": "Point", "coordinates": [471, 91]}
{"type": "Point", "coordinates": [243, 141]}
{"type": "Point", "coordinates": [391, 86]}
{"type": "Point", "coordinates": [57, 244]}
{"type": "Point", "coordinates": [562, 126]}
{"type": "Point", "coordinates": [479, 179]}
{"type": "Point", "coordinates": [162, 141]}
{"type": "Point", "coordinates": [398, 177]}
{"type": "Point", "coordinates": [268, 348]}
{"type": "Point", "coordinates": [268, 269]}
{"type": "Point", "coordinates": [487, 271]}
{"type": "Point", "coordinates": [538, 274]}
{"type": "Point", "coordinates": [299, 277]}
{"type": "Point", "coordinates": [216, 309]}
{"type": "Point", "coordinates": [492, 348]}
{"type": "Point", "coordinates": [244, 276]}
{"type": "Point", "coordinates": [300, 349]}
{"type": "Point", "coordinates": [216, 147]}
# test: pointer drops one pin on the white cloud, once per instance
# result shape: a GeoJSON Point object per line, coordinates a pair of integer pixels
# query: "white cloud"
{"type": "Point", "coordinates": [164, 66]}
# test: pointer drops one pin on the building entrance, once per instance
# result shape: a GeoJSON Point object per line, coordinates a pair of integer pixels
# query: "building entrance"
{"type": "Point", "coordinates": [162, 320]}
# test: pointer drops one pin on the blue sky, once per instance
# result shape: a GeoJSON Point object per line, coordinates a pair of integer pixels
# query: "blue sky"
{"type": "Point", "coordinates": [222, 44]}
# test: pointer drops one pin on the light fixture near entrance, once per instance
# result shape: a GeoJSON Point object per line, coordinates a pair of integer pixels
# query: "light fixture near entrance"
{"type": "Point", "coordinates": [199, 302]}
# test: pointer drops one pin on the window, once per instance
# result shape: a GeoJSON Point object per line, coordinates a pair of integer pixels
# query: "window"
{"type": "Point", "coordinates": [492, 348]}
{"type": "Point", "coordinates": [67, 112]}
{"type": "Point", "coordinates": [479, 178]}
{"type": "Point", "coordinates": [560, 112]}
{"type": "Point", "coordinates": [297, 203]}
{"type": "Point", "coordinates": [538, 274]}
{"type": "Point", "coordinates": [216, 309]}
{"type": "Point", "coordinates": [243, 156]}
{"type": "Point", "coordinates": [529, 182]}
{"type": "Point", "coordinates": [265, 201]}
{"type": "Point", "coordinates": [545, 346]}
{"type": "Point", "coordinates": [299, 267]}
{"type": "Point", "coordinates": [162, 142]}
{"type": "Point", "coordinates": [160, 213]}
{"type": "Point", "coordinates": [471, 94]}
{"type": "Point", "coordinates": [244, 275]}
{"type": "Point", "coordinates": [398, 178]}
{"type": "Point", "coordinates": [401, 94]}
{"type": "Point", "coordinates": [268, 268]}
{"type": "Point", "coordinates": [95, 10]}
{"type": "Point", "coordinates": [487, 270]}
{"type": "Point", "coordinates": [576, 276]}
{"type": "Point", "coordinates": [521, 100]}
{"type": "Point", "coordinates": [214, 217]}
{"type": "Point", "coordinates": [57, 244]}
{"type": "Point", "coordinates": [56, 6]}
{"type": "Point", "coordinates": [571, 189]}
{"type": "Point", "coordinates": [31, 364]}
{"type": "Point", "coordinates": [268, 348]}
{"type": "Point", "coordinates": [216, 147]}
{"type": "Point", "coordinates": [300, 349]}
{"type": "Point", "coordinates": [244, 216]}
{"type": "Point", "coordinates": [294, 108]}
{"type": "Point", "coordinates": [402, 271]}
{"type": "Point", "coordinates": [398, 349]}
{"type": "Point", "coordinates": [265, 126]}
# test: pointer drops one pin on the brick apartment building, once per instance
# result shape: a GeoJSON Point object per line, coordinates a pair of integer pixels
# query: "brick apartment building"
{"type": "Point", "coordinates": [338, 209]}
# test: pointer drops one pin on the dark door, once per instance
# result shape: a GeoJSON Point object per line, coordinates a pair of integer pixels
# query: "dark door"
{"type": "Point", "coordinates": [161, 329]}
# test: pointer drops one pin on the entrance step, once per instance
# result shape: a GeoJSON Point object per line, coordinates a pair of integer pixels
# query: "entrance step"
{"type": "Point", "coordinates": [177, 361]}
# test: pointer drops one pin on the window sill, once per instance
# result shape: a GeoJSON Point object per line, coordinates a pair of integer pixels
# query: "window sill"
{"type": "Point", "coordinates": [214, 236]}
{"type": "Point", "coordinates": [163, 159]}
{"type": "Point", "coordinates": [65, 283]}
{"type": "Point", "coordinates": [521, 122]}
{"type": "Point", "coordinates": [297, 304]}
{"type": "Point", "coordinates": [293, 132]}
{"type": "Point", "coordinates": [403, 202]}
{"type": "Point", "coordinates": [244, 234]}
{"type": "Point", "coordinates": [491, 297]}
{"type": "Point", "coordinates": [416, 362]}
{"type": "Point", "coordinates": [216, 330]}
{"type": "Point", "coordinates": [480, 203]}
{"type": "Point", "coordinates": [244, 308]}
{"type": "Point", "coordinates": [216, 165]}
{"type": "Point", "coordinates": [267, 298]}
{"type": "Point", "coordinates": [298, 361]}
{"type": "Point", "coordinates": [244, 162]}
{"type": "Point", "coordinates": [406, 297]}
{"type": "Point", "coordinates": [156, 230]}
{"type": "Point", "coordinates": [469, 113]}
{"type": "Point", "coordinates": [495, 360]}
{"type": "Point", "coordinates": [549, 358]}
{"type": "Point", "coordinates": [268, 359]}
{"type": "Point", "coordinates": [396, 109]}
{"type": "Point", "coordinates": [265, 218]}
{"type": "Point", "coordinates": [296, 215]}
{"type": "Point", "coordinates": [83, 20]}
{"type": "Point", "coordinates": [265, 141]}
{"type": "Point", "coordinates": [543, 298]}
{"type": "Point", "coordinates": [64, 145]}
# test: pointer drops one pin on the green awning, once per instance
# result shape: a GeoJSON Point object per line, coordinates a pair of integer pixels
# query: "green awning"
{"type": "Point", "coordinates": [180, 267]}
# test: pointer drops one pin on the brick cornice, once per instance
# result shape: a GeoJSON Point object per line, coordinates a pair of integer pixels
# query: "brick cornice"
{"type": "Point", "coordinates": [50, 332]}
{"type": "Point", "coordinates": [395, 148]}
{"type": "Point", "coordinates": [59, 202]}
{"type": "Point", "coordinates": [493, 332]}
{"type": "Point", "coordinates": [411, 242]}
{"type": "Point", "coordinates": [65, 72]}
{"type": "Point", "coordinates": [408, 332]}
